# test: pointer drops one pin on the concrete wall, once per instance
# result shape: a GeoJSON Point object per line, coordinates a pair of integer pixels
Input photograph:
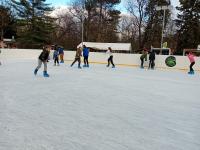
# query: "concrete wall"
{"type": "Point", "coordinates": [119, 59]}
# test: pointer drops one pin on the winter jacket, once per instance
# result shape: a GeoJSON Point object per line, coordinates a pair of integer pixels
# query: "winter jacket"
{"type": "Point", "coordinates": [191, 58]}
{"type": "Point", "coordinates": [85, 52]}
{"type": "Point", "coordinates": [144, 56]}
{"type": "Point", "coordinates": [78, 53]}
{"type": "Point", "coordinates": [55, 54]}
{"type": "Point", "coordinates": [109, 53]}
{"type": "Point", "coordinates": [152, 56]}
{"type": "Point", "coordinates": [44, 55]}
{"type": "Point", "coordinates": [61, 50]}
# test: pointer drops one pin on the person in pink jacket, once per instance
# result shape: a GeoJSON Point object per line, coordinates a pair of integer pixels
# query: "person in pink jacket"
{"type": "Point", "coordinates": [192, 62]}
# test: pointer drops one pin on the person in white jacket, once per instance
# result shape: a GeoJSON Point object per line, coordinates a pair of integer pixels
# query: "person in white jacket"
{"type": "Point", "coordinates": [110, 58]}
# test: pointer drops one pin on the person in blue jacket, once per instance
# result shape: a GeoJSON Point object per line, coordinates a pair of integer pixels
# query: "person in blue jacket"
{"type": "Point", "coordinates": [61, 54]}
{"type": "Point", "coordinates": [85, 55]}
{"type": "Point", "coordinates": [55, 57]}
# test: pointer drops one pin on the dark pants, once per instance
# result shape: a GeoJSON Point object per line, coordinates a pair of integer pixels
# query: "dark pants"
{"type": "Point", "coordinates": [56, 60]}
{"type": "Point", "coordinates": [191, 65]}
{"type": "Point", "coordinates": [151, 64]}
{"type": "Point", "coordinates": [75, 60]}
{"type": "Point", "coordinates": [110, 60]}
{"type": "Point", "coordinates": [86, 60]}
{"type": "Point", "coordinates": [142, 62]}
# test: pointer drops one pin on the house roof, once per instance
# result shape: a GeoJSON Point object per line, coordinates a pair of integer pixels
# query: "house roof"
{"type": "Point", "coordinates": [104, 46]}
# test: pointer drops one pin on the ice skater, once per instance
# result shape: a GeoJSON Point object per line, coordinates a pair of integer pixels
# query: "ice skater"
{"type": "Point", "coordinates": [152, 57]}
{"type": "Point", "coordinates": [61, 54]}
{"type": "Point", "coordinates": [43, 57]}
{"type": "Point", "coordinates": [110, 58]}
{"type": "Point", "coordinates": [0, 61]}
{"type": "Point", "coordinates": [143, 57]}
{"type": "Point", "coordinates": [192, 62]}
{"type": "Point", "coordinates": [55, 57]}
{"type": "Point", "coordinates": [78, 57]}
{"type": "Point", "coordinates": [85, 55]}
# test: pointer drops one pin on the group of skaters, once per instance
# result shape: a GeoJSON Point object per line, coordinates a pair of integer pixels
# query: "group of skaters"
{"type": "Point", "coordinates": [44, 57]}
{"type": "Point", "coordinates": [152, 57]}
{"type": "Point", "coordinates": [86, 55]}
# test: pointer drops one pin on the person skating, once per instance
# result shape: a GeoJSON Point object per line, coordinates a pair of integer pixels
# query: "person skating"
{"type": "Point", "coordinates": [143, 57]}
{"type": "Point", "coordinates": [192, 62]}
{"type": "Point", "coordinates": [110, 58]}
{"type": "Point", "coordinates": [85, 55]}
{"type": "Point", "coordinates": [43, 57]}
{"type": "Point", "coordinates": [61, 54]}
{"type": "Point", "coordinates": [0, 61]}
{"type": "Point", "coordinates": [55, 57]}
{"type": "Point", "coordinates": [152, 57]}
{"type": "Point", "coordinates": [77, 58]}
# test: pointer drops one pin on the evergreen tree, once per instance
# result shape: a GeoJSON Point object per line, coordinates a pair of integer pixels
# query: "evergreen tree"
{"type": "Point", "coordinates": [189, 25]}
{"type": "Point", "coordinates": [153, 29]}
{"type": "Point", "coordinates": [34, 23]}
{"type": "Point", "coordinates": [7, 22]}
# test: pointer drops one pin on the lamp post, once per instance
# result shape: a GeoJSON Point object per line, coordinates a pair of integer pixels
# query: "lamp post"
{"type": "Point", "coordinates": [82, 18]}
{"type": "Point", "coordinates": [164, 8]}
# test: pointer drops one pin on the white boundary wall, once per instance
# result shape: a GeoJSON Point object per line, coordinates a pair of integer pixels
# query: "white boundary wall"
{"type": "Point", "coordinates": [119, 59]}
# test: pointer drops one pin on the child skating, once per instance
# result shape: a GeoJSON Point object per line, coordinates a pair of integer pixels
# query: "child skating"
{"type": "Point", "coordinates": [85, 55]}
{"type": "Point", "coordinates": [43, 57]}
{"type": "Point", "coordinates": [110, 59]}
{"type": "Point", "coordinates": [77, 58]}
{"type": "Point", "coordinates": [55, 57]}
{"type": "Point", "coordinates": [192, 62]}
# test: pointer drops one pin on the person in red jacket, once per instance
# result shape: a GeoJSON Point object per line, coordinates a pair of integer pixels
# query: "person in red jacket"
{"type": "Point", "coordinates": [192, 62]}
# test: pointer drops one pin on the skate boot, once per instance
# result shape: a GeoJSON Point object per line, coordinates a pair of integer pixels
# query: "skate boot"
{"type": "Point", "coordinates": [45, 74]}
{"type": "Point", "coordinates": [191, 72]}
{"type": "Point", "coordinates": [35, 71]}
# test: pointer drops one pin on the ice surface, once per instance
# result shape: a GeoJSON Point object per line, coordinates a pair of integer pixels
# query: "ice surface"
{"type": "Point", "coordinates": [97, 108]}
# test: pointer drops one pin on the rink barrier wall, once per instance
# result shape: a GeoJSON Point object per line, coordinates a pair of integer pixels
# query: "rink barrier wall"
{"type": "Point", "coordinates": [128, 60]}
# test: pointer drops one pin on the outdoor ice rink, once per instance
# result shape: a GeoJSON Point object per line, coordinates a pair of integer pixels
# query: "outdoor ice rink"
{"type": "Point", "coordinates": [97, 108]}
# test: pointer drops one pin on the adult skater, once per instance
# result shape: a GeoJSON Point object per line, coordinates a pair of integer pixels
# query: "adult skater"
{"type": "Point", "coordinates": [152, 57]}
{"type": "Point", "coordinates": [85, 55]}
{"type": "Point", "coordinates": [43, 57]}
{"type": "Point", "coordinates": [55, 57]}
{"type": "Point", "coordinates": [61, 54]}
{"type": "Point", "coordinates": [110, 58]}
{"type": "Point", "coordinates": [192, 62]}
{"type": "Point", "coordinates": [0, 61]}
{"type": "Point", "coordinates": [143, 57]}
{"type": "Point", "coordinates": [77, 58]}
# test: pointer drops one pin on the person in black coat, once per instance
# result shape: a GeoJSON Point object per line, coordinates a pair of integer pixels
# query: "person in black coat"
{"type": "Point", "coordinates": [152, 57]}
{"type": "Point", "coordinates": [43, 57]}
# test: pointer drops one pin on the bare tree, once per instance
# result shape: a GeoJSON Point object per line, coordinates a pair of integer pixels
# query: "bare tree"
{"type": "Point", "coordinates": [137, 8]}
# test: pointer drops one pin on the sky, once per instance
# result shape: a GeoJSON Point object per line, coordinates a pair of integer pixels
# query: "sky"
{"type": "Point", "coordinates": [121, 7]}
{"type": "Point", "coordinates": [65, 2]}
